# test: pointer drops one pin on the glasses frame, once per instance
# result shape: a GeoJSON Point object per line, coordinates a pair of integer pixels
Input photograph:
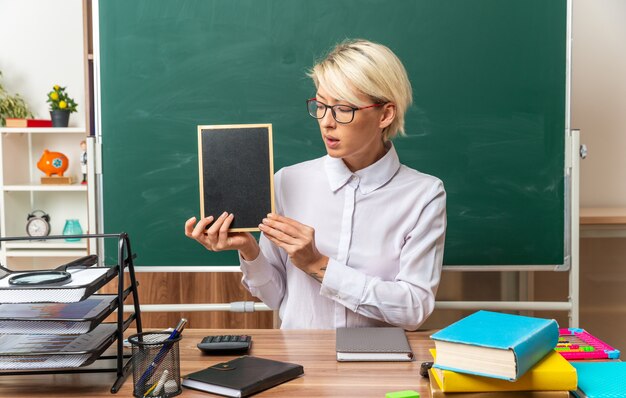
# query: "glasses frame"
{"type": "Point", "coordinates": [332, 109]}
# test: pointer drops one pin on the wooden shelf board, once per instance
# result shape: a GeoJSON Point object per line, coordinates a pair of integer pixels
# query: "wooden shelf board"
{"type": "Point", "coordinates": [44, 130]}
{"type": "Point", "coordinates": [47, 245]}
{"type": "Point", "coordinates": [602, 216]}
{"type": "Point", "coordinates": [46, 253]}
{"type": "Point", "coordinates": [47, 188]}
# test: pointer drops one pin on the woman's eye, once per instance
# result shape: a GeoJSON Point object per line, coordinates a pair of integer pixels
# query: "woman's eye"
{"type": "Point", "coordinates": [343, 109]}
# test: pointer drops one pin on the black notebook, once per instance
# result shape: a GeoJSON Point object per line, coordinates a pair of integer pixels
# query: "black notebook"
{"type": "Point", "coordinates": [242, 376]}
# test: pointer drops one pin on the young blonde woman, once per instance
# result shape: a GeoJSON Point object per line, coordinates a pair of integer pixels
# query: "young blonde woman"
{"type": "Point", "coordinates": [357, 238]}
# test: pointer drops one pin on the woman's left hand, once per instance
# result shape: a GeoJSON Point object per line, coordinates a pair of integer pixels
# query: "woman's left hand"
{"type": "Point", "coordinates": [298, 240]}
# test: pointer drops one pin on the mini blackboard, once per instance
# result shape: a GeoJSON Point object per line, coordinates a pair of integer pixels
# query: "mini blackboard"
{"type": "Point", "coordinates": [236, 173]}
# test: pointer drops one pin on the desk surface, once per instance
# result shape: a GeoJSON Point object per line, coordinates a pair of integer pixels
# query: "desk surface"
{"type": "Point", "coordinates": [313, 349]}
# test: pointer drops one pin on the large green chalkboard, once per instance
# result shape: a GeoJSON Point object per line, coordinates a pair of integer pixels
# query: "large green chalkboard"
{"type": "Point", "coordinates": [489, 82]}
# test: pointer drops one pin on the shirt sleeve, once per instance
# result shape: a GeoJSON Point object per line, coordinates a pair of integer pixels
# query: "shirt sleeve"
{"type": "Point", "coordinates": [265, 276]}
{"type": "Point", "coordinates": [410, 298]}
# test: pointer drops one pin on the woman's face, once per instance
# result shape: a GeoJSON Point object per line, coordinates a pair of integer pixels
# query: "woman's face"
{"type": "Point", "coordinates": [360, 142]}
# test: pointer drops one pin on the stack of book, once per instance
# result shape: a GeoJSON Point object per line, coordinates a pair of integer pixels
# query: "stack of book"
{"type": "Point", "coordinates": [490, 354]}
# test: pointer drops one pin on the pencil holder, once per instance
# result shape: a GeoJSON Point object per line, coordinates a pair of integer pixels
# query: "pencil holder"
{"type": "Point", "coordinates": [156, 365]}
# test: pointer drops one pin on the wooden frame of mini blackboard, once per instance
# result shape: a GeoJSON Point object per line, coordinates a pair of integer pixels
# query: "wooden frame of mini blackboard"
{"type": "Point", "coordinates": [248, 161]}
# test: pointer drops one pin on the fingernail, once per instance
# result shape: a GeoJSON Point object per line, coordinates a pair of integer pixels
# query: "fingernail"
{"type": "Point", "coordinates": [261, 226]}
{"type": "Point", "coordinates": [265, 220]}
{"type": "Point", "coordinates": [270, 215]}
{"type": "Point", "coordinates": [224, 213]}
{"type": "Point", "coordinates": [231, 215]}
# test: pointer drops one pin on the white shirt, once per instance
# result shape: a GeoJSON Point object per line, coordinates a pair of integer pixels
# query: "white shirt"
{"type": "Point", "coordinates": [383, 230]}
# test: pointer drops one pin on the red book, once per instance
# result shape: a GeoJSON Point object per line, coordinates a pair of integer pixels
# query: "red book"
{"type": "Point", "coordinates": [10, 122]}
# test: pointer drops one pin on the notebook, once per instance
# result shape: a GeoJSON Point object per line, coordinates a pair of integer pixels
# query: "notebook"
{"type": "Point", "coordinates": [242, 376]}
{"type": "Point", "coordinates": [601, 379]}
{"type": "Point", "coordinates": [373, 344]}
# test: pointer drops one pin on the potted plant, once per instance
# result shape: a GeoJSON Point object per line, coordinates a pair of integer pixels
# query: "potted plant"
{"type": "Point", "coordinates": [61, 105]}
{"type": "Point", "coordinates": [12, 106]}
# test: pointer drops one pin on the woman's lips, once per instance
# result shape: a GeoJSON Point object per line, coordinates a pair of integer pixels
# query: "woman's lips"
{"type": "Point", "coordinates": [331, 142]}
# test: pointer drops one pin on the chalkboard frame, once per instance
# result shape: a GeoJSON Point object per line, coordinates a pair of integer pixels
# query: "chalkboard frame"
{"type": "Point", "coordinates": [529, 33]}
{"type": "Point", "coordinates": [260, 207]}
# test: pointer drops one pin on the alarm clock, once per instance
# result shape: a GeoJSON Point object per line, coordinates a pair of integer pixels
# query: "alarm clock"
{"type": "Point", "coordinates": [38, 225]}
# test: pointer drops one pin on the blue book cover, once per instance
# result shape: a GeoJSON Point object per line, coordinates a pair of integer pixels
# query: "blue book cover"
{"type": "Point", "coordinates": [495, 344]}
{"type": "Point", "coordinates": [601, 379]}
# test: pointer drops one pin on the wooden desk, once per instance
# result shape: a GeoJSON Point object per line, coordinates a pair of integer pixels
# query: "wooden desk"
{"type": "Point", "coordinates": [315, 350]}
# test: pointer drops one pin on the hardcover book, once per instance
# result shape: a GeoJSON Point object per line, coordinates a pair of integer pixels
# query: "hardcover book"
{"type": "Point", "coordinates": [436, 392]}
{"type": "Point", "coordinates": [495, 344]}
{"type": "Point", "coordinates": [373, 344]}
{"type": "Point", "coordinates": [242, 376]}
{"type": "Point", "coordinates": [552, 373]}
{"type": "Point", "coordinates": [606, 379]}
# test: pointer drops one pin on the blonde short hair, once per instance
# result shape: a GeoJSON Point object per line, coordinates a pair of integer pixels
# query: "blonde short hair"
{"type": "Point", "coordinates": [371, 69]}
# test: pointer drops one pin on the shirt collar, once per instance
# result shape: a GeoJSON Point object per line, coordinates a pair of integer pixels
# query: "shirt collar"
{"type": "Point", "coordinates": [370, 178]}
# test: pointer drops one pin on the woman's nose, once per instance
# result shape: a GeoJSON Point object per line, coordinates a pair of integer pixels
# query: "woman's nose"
{"type": "Point", "coordinates": [328, 120]}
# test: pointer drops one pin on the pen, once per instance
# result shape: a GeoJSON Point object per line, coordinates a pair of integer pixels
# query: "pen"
{"type": "Point", "coordinates": [161, 354]}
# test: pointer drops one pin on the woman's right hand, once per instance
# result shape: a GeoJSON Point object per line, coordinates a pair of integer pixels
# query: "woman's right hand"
{"type": "Point", "coordinates": [216, 238]}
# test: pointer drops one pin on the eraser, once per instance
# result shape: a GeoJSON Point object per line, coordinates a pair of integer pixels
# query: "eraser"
{"type": "Point", "coordinates": [171, 386]}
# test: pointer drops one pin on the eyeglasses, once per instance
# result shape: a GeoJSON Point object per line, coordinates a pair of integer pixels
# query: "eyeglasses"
{"type": "Point", "coordinates": [342, 113]}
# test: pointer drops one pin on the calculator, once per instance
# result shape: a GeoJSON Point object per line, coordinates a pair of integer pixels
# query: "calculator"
{"type": "Point", "coordinates": [225, 344]}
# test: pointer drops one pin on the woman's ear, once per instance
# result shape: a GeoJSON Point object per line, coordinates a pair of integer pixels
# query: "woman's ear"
{"type": "Point", "coordinates": [388, 115]}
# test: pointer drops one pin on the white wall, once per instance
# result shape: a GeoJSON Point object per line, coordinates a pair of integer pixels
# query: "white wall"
{"type": "Point", "coordinates": [41, 44]}
{"type": "Point", "coordinates": [599, 99]}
